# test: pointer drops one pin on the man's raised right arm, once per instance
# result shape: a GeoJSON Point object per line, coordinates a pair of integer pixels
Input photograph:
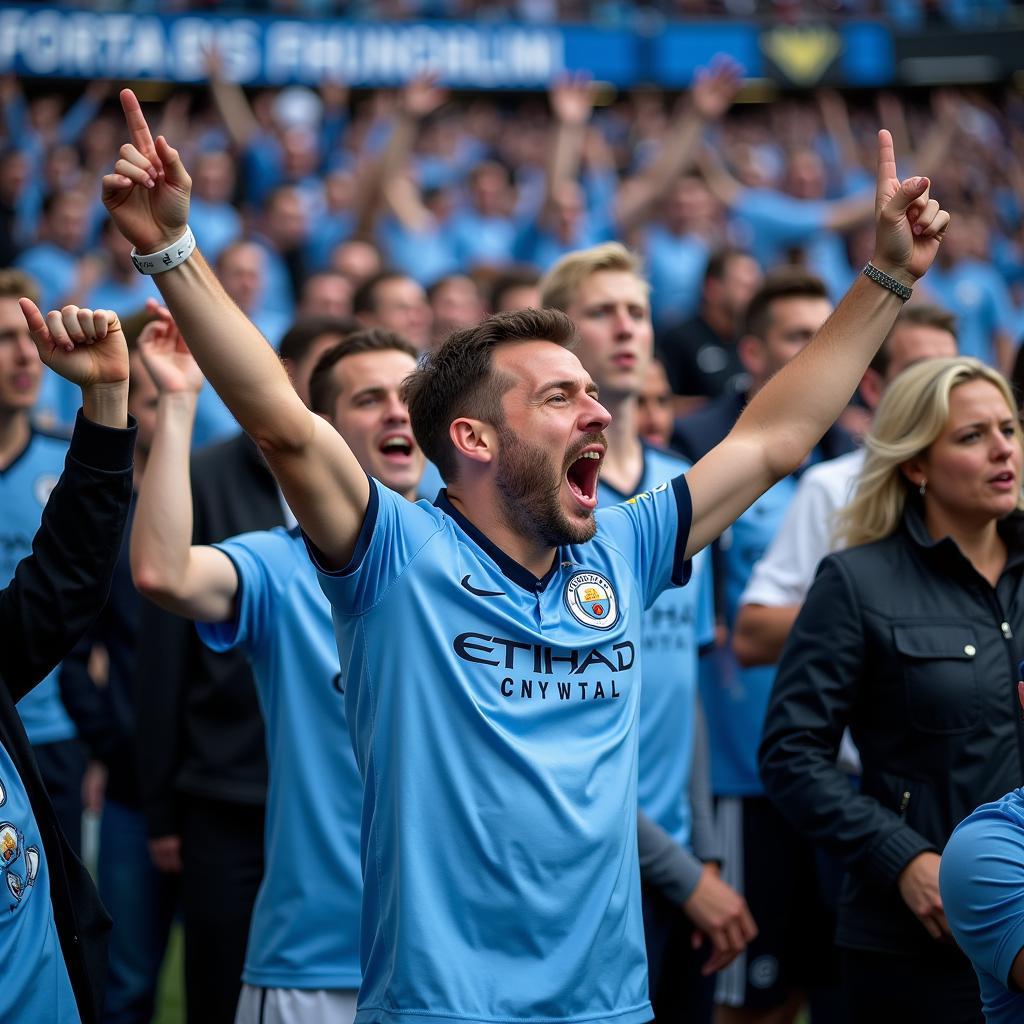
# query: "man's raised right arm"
{"type": "Point", "coordinates": [147, 196]}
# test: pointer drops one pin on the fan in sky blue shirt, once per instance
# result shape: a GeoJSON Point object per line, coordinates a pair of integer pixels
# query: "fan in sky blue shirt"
{"type": "Point", "coordinates": [494, 720]}
{"type": "Point", "coordinates": [25, 486]}
{"type": "Point", "coordinates": [426, 255]}
{"type": "Point", "coordinates": [982, 883]}
{"type": "Point", "coordinates": [769, 222]}
{"type": "Point", "coordinates": [35, 985]}
{"type": "Point", "coordinates": [675, 267]}
{"type": "Point", "coordinates": [680, 622]}
{"type": "Point", "coordinates": [977, 295]}
{"type": "Point", "coordinates": [305, 925]}
{"type": "Point", "coordinates": [481, 241]}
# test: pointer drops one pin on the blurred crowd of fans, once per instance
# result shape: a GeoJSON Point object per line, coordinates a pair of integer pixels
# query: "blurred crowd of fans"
{"type": "Point", "coordinates": [302, 198]}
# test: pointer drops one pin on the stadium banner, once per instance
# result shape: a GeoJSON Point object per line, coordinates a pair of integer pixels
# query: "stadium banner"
{"type": "Point", "coordinates": [277, 51]}
{"type": "Point", "coordinates": [803, 56]}
{"type": "Point", "coordinates": [944, 56]}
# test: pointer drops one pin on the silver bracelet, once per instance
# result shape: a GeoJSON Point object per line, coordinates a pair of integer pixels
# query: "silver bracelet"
{"type": "Point", "coordinates": [166, 259]}
{"type": "Point", "coordinates": [886, 281]}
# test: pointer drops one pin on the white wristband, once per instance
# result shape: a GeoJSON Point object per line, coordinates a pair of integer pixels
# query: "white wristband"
{"type": "Point", "coordinates": [166, 259]}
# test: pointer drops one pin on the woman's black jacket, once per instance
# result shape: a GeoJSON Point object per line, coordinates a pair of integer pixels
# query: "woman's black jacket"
{"type": "Point", "coordinates": [907, 644]}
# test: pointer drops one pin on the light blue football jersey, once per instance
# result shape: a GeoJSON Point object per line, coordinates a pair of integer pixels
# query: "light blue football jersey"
{"type": "Point", "coordinates": [35, 985]}
{"type": "Point", "coordinates": [25, 486]}
{"type": "Point", "coordinates": [982, 884]}
{"type": "Point", "coordinates": [681, 621]}
{"type": "Point", "coordinates": [305, 925]}
{"type": "Point", "coordinates": [495, 717]}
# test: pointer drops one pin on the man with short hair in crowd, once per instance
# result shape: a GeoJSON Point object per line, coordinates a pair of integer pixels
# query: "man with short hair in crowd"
{"type": "Point", "coordinates": [396, 302]}
{"type": "Point", "coordinates": [780, 580]}
{"type": "Point", "coordinates": [700, 355]}
{"type": "Point", "coordinates": [602, 290]}
{"type": "Point", "coordinates": [203, 773]}
{"type": "Point", "coordinates": [258, 594]}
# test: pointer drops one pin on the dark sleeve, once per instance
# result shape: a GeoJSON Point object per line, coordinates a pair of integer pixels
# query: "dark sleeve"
{"type": "Point", "coordinates": [60, 587]}
{"type": "Point", "coordinates": [164, 666]}
{"type": "Point", "coordinates": [815, 689]}
{"type": "Point", "coordinates": [86, 703]}
{"type": "Point", "coordinates": [705, 840]}
{"type": "Point", "coordinates": [664, 864]}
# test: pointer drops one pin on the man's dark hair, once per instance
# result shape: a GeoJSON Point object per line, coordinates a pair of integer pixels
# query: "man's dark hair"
{"type": "Point", "coordinates": [515, 277]}
{"type": "Point", "coordinates": [365, 298]}
{"type": "Point", "coordinates": [784, 283]}
{"type": "Point", "coordinates": [305, 332]}
{"type": "Point", "coordinates": [719, 260]}
{"type": "Point", "coordinates": [323, 388]}
{"type": "Point", "coordinates": [924, 315]}
{"type": "Point", "coordinates": [459, 378]}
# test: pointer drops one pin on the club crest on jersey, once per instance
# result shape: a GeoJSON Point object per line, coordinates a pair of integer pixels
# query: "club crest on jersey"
{"type": "Point", "coordinates": [12, 850]}
{"type": "Point", "coordinates": [591, 600]}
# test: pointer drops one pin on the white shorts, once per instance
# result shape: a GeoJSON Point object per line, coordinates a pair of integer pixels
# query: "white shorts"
{"type": "Point", "coordinates": [295, 1005]}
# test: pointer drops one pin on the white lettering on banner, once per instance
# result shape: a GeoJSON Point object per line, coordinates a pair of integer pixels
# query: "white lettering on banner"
{"type": "Point", "coordinates": [101, 45]}
{"type": "Point", "coordinates": [236, 41]}
{"type": "Point", "coordinates": [40, 43]}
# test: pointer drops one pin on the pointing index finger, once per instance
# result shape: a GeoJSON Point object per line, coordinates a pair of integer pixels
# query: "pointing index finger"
{"type": "Point", "coordinates": [34, 318]}
{"type": "Point", "coordinates": [886, 158]}
{"type": "Point", "coordinates": [136, 121]}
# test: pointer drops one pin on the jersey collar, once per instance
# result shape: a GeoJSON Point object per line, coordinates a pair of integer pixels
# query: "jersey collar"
{"type": "Point", "coordinates": [509, 567]}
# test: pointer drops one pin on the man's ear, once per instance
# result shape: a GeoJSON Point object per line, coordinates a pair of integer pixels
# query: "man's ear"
{"type": "Point", "coordinates": [751, 351]}
{"type": "Point", "coordinates": [871, 387]}
{"type": "Point", "coordinates": [474, 439]}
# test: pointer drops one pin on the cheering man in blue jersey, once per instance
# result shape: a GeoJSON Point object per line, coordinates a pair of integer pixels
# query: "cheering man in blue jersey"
{"type": "Point", "coordinates": [602, 291]}
{"type": "Point", "coordinates": [491, 643]}
{"type": "Point", "coordinates": [258, 593]}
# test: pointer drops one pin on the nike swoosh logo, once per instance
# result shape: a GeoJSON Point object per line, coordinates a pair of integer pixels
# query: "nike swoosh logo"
{"type": "Point", "coordinates": [480, 593]}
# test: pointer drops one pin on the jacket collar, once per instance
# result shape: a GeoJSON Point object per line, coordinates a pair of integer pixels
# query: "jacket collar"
{"type": "Point", "coordinates": [1011, 529]}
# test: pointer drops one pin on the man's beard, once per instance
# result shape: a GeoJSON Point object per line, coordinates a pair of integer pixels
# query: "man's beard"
{"type": "Point", "coordinates": [529, 488]}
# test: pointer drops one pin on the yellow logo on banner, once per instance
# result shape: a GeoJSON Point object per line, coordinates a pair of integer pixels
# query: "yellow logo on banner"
{"type": "Point", "coordinates": [802, 53]}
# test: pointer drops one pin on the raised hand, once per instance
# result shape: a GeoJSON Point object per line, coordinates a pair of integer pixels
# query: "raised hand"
{"type": "Point", "coordinates": [909, 225]}
{"type": "Point", "coordinates": [572, 99]}
{"type": "Point", "coordinates": [715, 87]}
{"type": "Point", "coordinates": [85, 346]}
{"type": "Point", "coordinates": [166, 356]}
{"type": "Point", "coordinates": [421, 95]}
{"type": "Point", "coordinates": [147, 195]}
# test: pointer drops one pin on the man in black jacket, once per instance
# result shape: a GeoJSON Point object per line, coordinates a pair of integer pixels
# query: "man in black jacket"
{"type": "Point", "coordinates": [51, 601]}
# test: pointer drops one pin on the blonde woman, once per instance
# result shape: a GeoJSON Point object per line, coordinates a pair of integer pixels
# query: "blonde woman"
{"type": "Point", "coordinates": [909, 637]}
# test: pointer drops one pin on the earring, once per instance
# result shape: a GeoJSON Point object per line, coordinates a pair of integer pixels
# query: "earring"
{"type": "Point", "coordinates": [922, 488]}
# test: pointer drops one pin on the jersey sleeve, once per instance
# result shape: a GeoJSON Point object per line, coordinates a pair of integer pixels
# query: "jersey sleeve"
{"type": "Point", "coordinates": [394, 531]}
{"type": "Point", "coordinates": [705, 581]}
{"type": "Point", "coordinates": [784, 574]}
{"type": "Point", "coordinates": [651, 530]}
{"type": "Point", "coordinates": [982, 882]}
{"type": "Point", "coordinates": [264, 563]}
